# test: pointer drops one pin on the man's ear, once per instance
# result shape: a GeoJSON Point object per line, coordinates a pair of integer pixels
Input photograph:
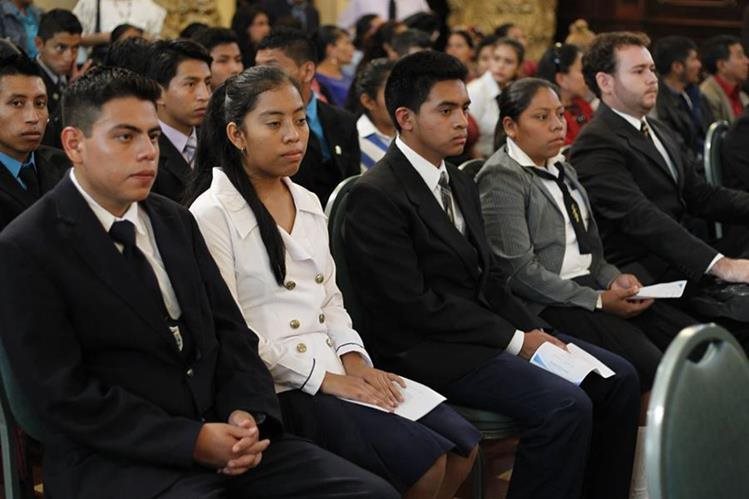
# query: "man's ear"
{"type": "Point", "coordinates": [405, 118]}
{"type": "Point", "coordinates": [605, 82]}
{"type": "Point", "coordinates": [677, 67]}
{"type": "Point", "coordinates": [307, 71]}
{"type": "Point", "coordinates": [38, 43]}
{"type": "Point", "coordinates": [72, 143]}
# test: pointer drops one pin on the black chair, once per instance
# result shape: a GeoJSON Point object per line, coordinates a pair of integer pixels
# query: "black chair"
{"type": "Point", "coordinates": [471, 167]}
{"type": "Point", "coordinates": [713, 169]}
{"type": "Point", "coordinates": [491, 425]}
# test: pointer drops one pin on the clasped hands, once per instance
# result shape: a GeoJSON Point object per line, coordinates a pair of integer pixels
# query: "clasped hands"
{"type": "Point", "coordinates": [364, 383]}
{"type": "Point", "coordinates": [231, 448]}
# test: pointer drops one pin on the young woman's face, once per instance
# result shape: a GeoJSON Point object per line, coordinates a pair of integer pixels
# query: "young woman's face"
{"type": "Point", "coordinates": [458, 48]}
{"type": "Point", "coordinates": [376, 108]}
{"type": "Point", "coordinates": [484, 59]}
{"type": "Point", "coordinates": [504, 64]}
{"type": "Point", "coordinates": [573, 81]}
{"type": "Point", "coordinates": [274, 134]}
{"type": "Point", "coordinates": [540, 128]}
{"type": "Point", "coordinates": [259, 28]}
{"type": "Point", "coordinates": [342, 50]}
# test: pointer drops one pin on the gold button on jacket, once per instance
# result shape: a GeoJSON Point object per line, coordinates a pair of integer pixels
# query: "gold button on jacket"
{"type": "Point", "coordinates": [294, 324]}
{"type": "Point", "coordinates": [321, 318]}
{"type": "Point", "coordinates": [301, 348]}
{"type": "Point", "coordinates": [329, 342]}
{"type": "Point", "coordinates": [319, 278]}
{"type": "Point", "coordinates": [290, 285]}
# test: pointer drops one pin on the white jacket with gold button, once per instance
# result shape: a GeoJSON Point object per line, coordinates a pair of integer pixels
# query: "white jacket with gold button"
{"type": "Point", "coordinates": [302, 326]}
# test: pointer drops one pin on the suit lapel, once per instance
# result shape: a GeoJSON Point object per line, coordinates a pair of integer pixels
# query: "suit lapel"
{"type": "Point", "coordinates": [429, 209]}
{"type": "Point", "coordinates": [10, 185]}
{"type": "Point", "coordinates": [172, 159]}
{"type": "Point", "coordinates": [330, 126]}
{"type": "Point", "coordinates": [85, 234]}
{"type": "Point", "coordinates": [670, 147]}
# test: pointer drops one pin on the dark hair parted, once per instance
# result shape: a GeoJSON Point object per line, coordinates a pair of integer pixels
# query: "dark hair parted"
{"type": "Point", "coordinates": [361, 29]}
{"type": "Point", "coordinates": [292, 42]}
{"type": "Point", "coordinates": [518, 96]}
{"type": "Point", "coordinates": [324, 36]}
{"type": "Point", "coordinates": [18, 64]}
{"type": "Point", "coordinates": [514, 45]}
{"type": "Point", "coordinates": [119, 31]}
{"type": "Point", "coordinates": [230, 103]}
{"type": "Point", "coordinates": [601, 56]}
{"type": "Point", "coordinates": [370, 79]}
{"type": "Point", "coordinates": [413, 77]}
{"type": "Point", "coordinates": [671, 49]}
{"type": "Point", "coordinates": [717, 48]}
{"type": "Point", "coordinates": [465, 35]}
{"type": "Point", "coordinates": [167, 55]}
{"type": "Point", "coordinates": [58, 21]}
{"type": "Point", "coordinates": [558, 58]}
{"type": "Point", "coordinates": [411, 38]}
{"type": "Point", "coordinates": [502, 30]}
{"type": "Point", "coordinates": [84, 98]}
{"type": "Point", "coordinates": [192, 29]}
{"type": "Point", "coordinates": [131, 53]}
{"type": "Point", "coordinates": [212, 37]}
{"type": "Point", "coordinates": [487, 41]}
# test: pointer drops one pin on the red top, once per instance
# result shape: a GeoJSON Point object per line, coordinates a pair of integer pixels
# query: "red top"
{"type": "Point", "coordinates": [733, 92]}
{"type": "Point", "coordinates": [576, 115]}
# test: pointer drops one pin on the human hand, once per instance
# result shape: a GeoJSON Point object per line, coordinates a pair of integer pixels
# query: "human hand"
{"type": "Point", "coordinates": [731, 269]}
{"type": "Point", "coordinates": [76, 73]}
{"type": "Point", "coordinates": [355, 388]}
{"type": "Point", "coordinates": [534, 339]}
{"type": "Point", "coordinates": [215, 443]}
{"type": "Point", "coordinates": [618, 301]}
{"type": "Point", "coordinates": [625, 281]}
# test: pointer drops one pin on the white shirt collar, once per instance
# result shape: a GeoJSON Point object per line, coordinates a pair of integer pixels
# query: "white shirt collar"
{"type": "Point", "coordinates": [424, 168]}
{"type": "Point", "coordinates": [365, 127]}
{"type": "Point", "coordinates": [56, 79]}
{"type": "Point", "coordinates": [515, 152]}
{"type": "Point", "coordinates": [105, 217]}
{"type": "Point", "coordinates": [177, 138]}
{"type": "Point", "coordinates": [635, 122]}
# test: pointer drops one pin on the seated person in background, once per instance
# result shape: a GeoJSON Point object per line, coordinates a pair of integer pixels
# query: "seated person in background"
{"type": "Point", "coordinates": [504, 68]}
{"type": "Point", "coordinates": [333, 151]}
{"type": "Point", "coordinates": [283, 271]}
{"type": "Point", "coordinates": [124, 31]}
{"type": "Point", "coordinates": [544, 235]}
{"type": "Point", "coordinates": [182, 70]}
{"type": "Point", "coordinates": [724, 59]}
{"type": "Point", "coordinates": [643, 188]}
{"type": "Point", "coordinates": [563, 66]}
{"type": "Point", "coordinates": [734, 154]}
{"type": "Point", "coordinates": [99, 18]}
{"type": "Point", "coordinates": [251, 24]}
{"type": "Point", "coordinates": [334, 51]}
{"type": "Point", "coordinates": [139, 362]}
{"type": "Point", "coordinates": [57, 44]}
{"type": "Point", "coordinates": [301, 13]}
{"type": "Point", "coordinates": [484, 54]}
{"type": "Point", "coordinates": [396, 10]}
{"type": "Point", "coordinates": [512, 30]}
{"type": "Point", "coordinates": [131, 53]}
{"type": "Point", "coordinates": [680, 104]}
{"type": "Point", "coordinates": [27, 169]}
{"type": "Point", "coordinates": [436, 308]}
{"type": "Point", "coordinates": [376, 130]}
{"type": "Point", "coordinates": [460, 45]}
{"type": "Point", "coordinates": [223, 47]}
{"type": "Point", "coordinates": [409, 41]}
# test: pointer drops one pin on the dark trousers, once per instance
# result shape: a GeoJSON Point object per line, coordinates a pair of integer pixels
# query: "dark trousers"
{"type": "Point", "coordinates": [640, 340]}
{"type": "Point", "coordinates": [290, 468]}
{"type": "Point", "coordinates": [576, 440]}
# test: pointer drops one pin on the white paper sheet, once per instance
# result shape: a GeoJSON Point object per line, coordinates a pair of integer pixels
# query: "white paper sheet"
{"type": "Point", "coordinates": [573, 364]}
{"type": "Point", "coordinates": [665, 290]}
{"type": "Point", "coordinates": [418, 401]}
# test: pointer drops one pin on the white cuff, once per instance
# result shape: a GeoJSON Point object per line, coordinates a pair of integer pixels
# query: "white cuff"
{"type": "Point", "coordinates": [599, 301]}
{"type": "Point", "coordinates": [516, 343]}
{"type": "Point", "coordinates": [715, 260]}
{"type": "Point", "coordinates": [313, 382]}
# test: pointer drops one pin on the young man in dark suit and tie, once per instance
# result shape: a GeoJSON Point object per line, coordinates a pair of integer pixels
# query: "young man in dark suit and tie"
{"type": "Point", "coordinates": [437, 309]}
{"type": "Point", "coordinates": [650, 202]}
{"type": "Point", "coordinates": [27, 169]}
{"type": "Point", "coordinates": [120, 329]}
{"type": "Point", "coordinates": [183, 70]}
{"type": "Point", "coordinates": [333, 151]}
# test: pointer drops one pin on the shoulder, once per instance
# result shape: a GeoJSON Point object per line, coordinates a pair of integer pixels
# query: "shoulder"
{"type": "Point", "coordinates": [52, 154]}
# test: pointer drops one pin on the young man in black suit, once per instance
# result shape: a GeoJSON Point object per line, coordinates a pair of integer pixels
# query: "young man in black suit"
{"type": "Point", "coordinates": [333, 151]}
{"type": "Point", "coordinates": [182, 68]}
{"type": "Point", "coordinates": [645, 192]}
{"type": "Point", "coordinates": [123, 334]}
{"type": "Point", "coordinates": [437, 309]}
{"type": "Point", "coordinates": [27, 169]}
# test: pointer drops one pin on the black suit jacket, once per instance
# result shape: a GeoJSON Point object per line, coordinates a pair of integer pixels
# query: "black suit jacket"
{"type": "Point", "coordinates": [642, 212]}
{"type": "Point", "coordinates": [434, 303]}
{"type": "Point", "coordinates": [671, 110]}
{"type": "Point", "coordinates": [734, 153]}
{"type": "Point", "coordinates": [123, 406]}
{"type": "Point", "coordinates": [174, 172]}
{"type": "Point", "coordinates": [54, 98]}
{"type": "Point", "coordinates": [322, 177]}
{"type": "Point", "coordinates": [51, 165]}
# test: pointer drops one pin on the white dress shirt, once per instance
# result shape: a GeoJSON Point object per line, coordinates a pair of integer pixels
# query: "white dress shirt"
{"type": "Point", "coordinates": [302, 326]}
{"type": "Point", "coordinates": [357, 8]}
{"type": "Point", "coordinates": [431, 176]}
{"type": "Point", "coordinates": [144, 240]}
{"type": "Point", "coordinates": [637, 123]}
{"type": "Point", "coordinates": [574, 264]}
{"type": "Point", "coordinates": [144, 14]}
{"type": "Point", "coordinates": [178, 139]}
{"type": "Point", "coordinates": [483, 92]}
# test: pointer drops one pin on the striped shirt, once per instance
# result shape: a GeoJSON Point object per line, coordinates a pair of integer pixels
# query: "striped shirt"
{"type": "Point", "coordinates": [374, 144]}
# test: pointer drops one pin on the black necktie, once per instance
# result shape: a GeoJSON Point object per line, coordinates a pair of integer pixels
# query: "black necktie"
{"type": "Point", "coordinates": [392, 11]}
{"type": "Point", "coordinates": [447, 197]}
{"type": "Point", "coordinates": [645, 130]}
{"type": "Point", "coordinates": [570, 206]}
{"type": "Point", "coordinates": [123, 232]}
{"type": "Point", "coordinates": [27, 174]}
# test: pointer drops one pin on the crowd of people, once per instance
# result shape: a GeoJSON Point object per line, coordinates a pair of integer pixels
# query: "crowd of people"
{"type": "Point", "coordinates": [168, 295]}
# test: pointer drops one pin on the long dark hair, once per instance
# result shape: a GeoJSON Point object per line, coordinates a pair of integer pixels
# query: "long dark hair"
{"type": "Point", "coordinates": [368, 81]}
{"type": "Point", "coordinates": [230, 103]}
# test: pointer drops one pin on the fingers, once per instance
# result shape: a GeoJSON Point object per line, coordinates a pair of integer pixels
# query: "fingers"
{"type": "Point", "coordinates": [245, 443]}
{"type": "Point", "coordinates": [397, 379]}
{"type": "Point", "coordinates": [240, 432]}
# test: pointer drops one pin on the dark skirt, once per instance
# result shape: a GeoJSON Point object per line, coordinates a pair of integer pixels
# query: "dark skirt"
{"type": "Point", "coordinates": [395, 448]}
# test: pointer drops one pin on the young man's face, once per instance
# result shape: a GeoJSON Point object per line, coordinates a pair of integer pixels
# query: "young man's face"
{"type": "Point", "coordinates": [633, 87]}
{"type": "Point", "coordinates": [184, 101]}
{"type": "Point", "coordinates": [23, 114]}
{"type": "Point", "coordinates": [227, 62]}
{"type": "Point", "coordinates": [117, 161]}
{"type": "Point", "coordinates": [692, 67]}
{"type": "Point", "coordinates": [60, 52]}
{"type": "Point", "coordinates": [440, 127]}
{"type": "Point", "coordinates": [734, 68]}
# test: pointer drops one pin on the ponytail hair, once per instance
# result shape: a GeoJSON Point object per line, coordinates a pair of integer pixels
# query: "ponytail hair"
{"type": "Point", "coordinates": [231, 102]}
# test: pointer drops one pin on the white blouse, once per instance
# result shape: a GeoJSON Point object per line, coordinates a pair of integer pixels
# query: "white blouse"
{"type": "Point", "coordinates": [302, 326]}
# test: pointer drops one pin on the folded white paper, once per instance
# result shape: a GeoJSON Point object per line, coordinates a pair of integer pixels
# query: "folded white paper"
{"type": "Point", "coordinates": [418, 401]}
{"type": "Point", "coordinates": [573, 364]}
{"type": "Point", "coordinates": [665, 290]}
